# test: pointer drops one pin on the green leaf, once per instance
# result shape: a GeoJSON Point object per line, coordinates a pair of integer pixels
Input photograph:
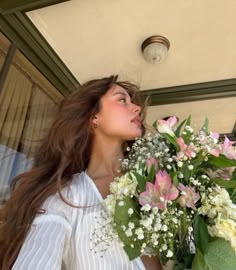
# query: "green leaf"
{"type": "Point", "coordinates": [225, 183]}
{"type": "Point", "coordinates": [121, 217]}
{"type": "Point", "coordinates": [220, 256]}
{"type": "Point", "coordinates": [221, 161]}
{"type": "Point", "coordinates": [205, 125]}
{"type": "Point", "coordinates": [172, 140]}
{"type": "Point", "coordinates": [201, 235]}
{"type": "Point", "coordinates": [133, 252]}
{"type": "Point", "coordinates": [177, 131]}
{"type": "Point", "coordinates": [151, 175]}
{"type": "Point", "coordinates": [141, 181]}
{"type": "Point", "coordinates": [233, 176]}
{"type": "Point", "coordinates": [174, 178]}
{"type": "Point", "coordinates": [186, 137]}
{"type": "Point", "coordinates": [188, 121]}
{"type": "Point", "coordinates": [155, 124]}
{"type": "Point", "coordinates": [199, 262]}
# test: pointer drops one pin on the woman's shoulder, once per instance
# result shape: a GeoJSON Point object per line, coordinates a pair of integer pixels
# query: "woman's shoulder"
{"type": "Point", "coordinates": [72, 194]}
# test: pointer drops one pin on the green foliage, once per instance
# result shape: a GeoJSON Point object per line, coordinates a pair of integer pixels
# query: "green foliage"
{"type": "Point", "coordinates": [171, 139]}
{"type": "Point", "coordinates": [155, 124]}
{"type": "Point", "coordinates": [141, 181]}
{"type": "Point", "coordinates": [151, 175]}
{"type": "Point", "coordinates": [225, 183]}
{"type": "Point", "coordinates": [178, 129]}
{"type": "Point", "coordinates": [201, 236]}
{"type": "Point", "coordinates": [233, 176]}
{"type": "Point", "coordinates": [205, 125]}
{"type": "Point", "coordinates": [121, 217]}
{"type": "Point", "coordinates": [218, 256]}
{"type": "Point", "coordinates": [199, 262]}
{"type": "Point", "coordinates": [221, 161]}
{"type": "Point", "coordinates": [187, 136]}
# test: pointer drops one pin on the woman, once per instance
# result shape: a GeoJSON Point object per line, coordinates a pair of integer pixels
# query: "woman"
{"type": "Point", "coordinates": [48, 222]}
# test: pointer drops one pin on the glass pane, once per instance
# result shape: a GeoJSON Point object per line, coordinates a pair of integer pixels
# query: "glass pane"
{"type": "Point", "coordinates": [27, 106]}
{"type": "Point", "coordinates": [4, 46]}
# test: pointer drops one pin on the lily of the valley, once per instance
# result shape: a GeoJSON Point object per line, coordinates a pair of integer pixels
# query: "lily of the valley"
{"type": "Point", "coordinates": [166, 126]}
{"type": "Point", "coordinates": [159, 193]}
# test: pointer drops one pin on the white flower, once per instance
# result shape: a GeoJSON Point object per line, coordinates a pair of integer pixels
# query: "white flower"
{"type": "Point", "coordinates": [131, 225]}
{"type": "Point", "coordinates": [157, 227]}
{"type": "Point", "coordinates": [130, 211]}
{"type": "Point", "coordinates": [123, 186]}
{"type": "Point", "coordinates": [180, 164]}
{"type": "Point", "coordinates": [140, 236]}
{"type": "Point", "coordinates": [164, 228]}
{"type": "Point", "coordinates": [146, 207]}
{"type": "Point", "coordinates": [164, 247]}
{"type": "Point", "coordinates": [128, 232]}
{"type": "Point", "coordinates": [110, 203]}
{"type": "Point", "coordinates": [190, 167]}
{"type": "Point", "coordinates": [121, 203]}
{"type": "Point", "coordinates": [174, 219]}
{"type": "Point", "coordinates": [224, 228]}
{"type": "Point", "coordinates": [123, 227]}
{"type": "Point", "coordinates": [169, 254]}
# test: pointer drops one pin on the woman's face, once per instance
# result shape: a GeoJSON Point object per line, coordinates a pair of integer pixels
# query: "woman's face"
{"type": "Point", "coordinates": [118, 118]}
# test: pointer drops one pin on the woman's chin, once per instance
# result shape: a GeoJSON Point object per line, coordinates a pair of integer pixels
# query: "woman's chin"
{"type": "Point", "coordinates": [135, 135]}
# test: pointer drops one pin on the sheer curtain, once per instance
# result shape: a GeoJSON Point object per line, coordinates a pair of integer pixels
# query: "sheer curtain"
{"type": "Point", "coordinates": [27, 107]}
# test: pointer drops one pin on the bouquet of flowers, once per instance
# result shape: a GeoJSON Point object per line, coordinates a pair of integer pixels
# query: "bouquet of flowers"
{"type": "Point", "coordinates": [176, 198]}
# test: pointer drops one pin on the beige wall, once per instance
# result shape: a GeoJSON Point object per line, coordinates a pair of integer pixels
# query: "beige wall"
{"type": "Point", "coordinates": [220, 112]}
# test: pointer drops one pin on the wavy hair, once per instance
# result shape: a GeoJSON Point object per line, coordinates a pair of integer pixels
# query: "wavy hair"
{"type": "Point", "coordinates": [63, 152]}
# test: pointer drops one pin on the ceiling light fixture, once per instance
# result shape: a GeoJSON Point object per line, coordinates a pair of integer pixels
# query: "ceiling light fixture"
{"type": "Point", "coordinates": [155, 48]}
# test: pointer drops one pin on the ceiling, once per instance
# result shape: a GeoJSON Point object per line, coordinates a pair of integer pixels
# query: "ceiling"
{"type": "Point", "coordinates": [97, 38]}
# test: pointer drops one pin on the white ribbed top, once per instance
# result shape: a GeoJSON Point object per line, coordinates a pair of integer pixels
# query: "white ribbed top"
{"type": "Point", "coordinates": [62, 238]}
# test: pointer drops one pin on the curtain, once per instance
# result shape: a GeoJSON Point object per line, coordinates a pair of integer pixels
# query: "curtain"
{"type": "Point", "coordinates": [26, 112]}
{"type": "Point", "coordinates": [2, 58]}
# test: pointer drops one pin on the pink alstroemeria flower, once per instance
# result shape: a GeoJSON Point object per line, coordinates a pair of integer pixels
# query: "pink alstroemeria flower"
{"type": "Point", "coordinates": [227, 149]}
{"type": "Point", "coordinates": [151, 162]}
{"type": "Point", "coordinates": [166, 126]}
{"type": "Point", "coordinates": [222, 173]}
{"type": "Point", "coordinates": [189, 196]}
{"type": "Point", "coordinates": [211, 148]}
{"type": "Point", "coordinates": [184, 149]}
{"type": "Point", "coordinates": [157, 194]}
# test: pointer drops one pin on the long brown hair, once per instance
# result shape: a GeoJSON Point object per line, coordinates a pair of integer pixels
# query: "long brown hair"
{"type": "Point", "coordinates": [64, 152]}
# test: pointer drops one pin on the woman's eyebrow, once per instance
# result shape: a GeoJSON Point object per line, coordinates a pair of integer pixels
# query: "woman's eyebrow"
{"type": "Point", "coordinates": [121, 93]}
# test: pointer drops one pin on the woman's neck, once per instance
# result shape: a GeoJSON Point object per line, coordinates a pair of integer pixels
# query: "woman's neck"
{"type": "Point", "coordinates": [105, 159]}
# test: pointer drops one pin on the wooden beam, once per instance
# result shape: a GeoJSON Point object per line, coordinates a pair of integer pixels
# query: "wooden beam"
{"type": "Point", "coordinates": [191, 92]}
{"type": "Point", "coordinates": [19, 29]}
{"type": "Point", "coordinates": [10, 6]}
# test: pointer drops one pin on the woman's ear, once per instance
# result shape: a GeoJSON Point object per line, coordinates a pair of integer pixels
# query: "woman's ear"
{"type": "Point", "coordinates": [94, 121]}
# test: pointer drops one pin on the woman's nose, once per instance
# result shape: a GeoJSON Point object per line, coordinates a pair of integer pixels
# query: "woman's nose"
{"type": "Point", "coordinates": [136, 108]}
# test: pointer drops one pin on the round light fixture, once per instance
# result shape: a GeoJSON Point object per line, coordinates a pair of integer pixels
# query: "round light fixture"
{"type": "Point", "coordinates": [155, 48]}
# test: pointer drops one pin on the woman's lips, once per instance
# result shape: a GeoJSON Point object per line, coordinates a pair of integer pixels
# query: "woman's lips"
{"type": "Point", "coordinates": [136, 121]}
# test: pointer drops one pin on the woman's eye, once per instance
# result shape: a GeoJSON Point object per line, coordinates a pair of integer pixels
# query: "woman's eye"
{"type": "Point", "coordinates": [123, 100]}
